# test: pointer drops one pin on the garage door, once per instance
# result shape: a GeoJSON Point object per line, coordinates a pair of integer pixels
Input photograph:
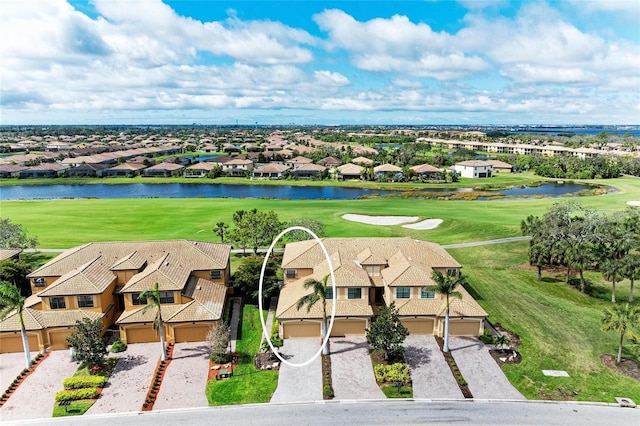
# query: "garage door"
{"type": "Point", "coordinates": [13, 343]}
{"type": "Point", "coordinates": [301, 329]}
{"type": "Point", "coordinates": [58, 339]}
{"type": "Point", "coordinates": [141, 334]}
{"type": "Point", "coordinates": [195, 333]}
{"type": "Point", "coordinates": [464, 328]}
{"type": "Point", "coordinates": [419, 325]}
{"type": "Point", "coordinates": [348, 327]}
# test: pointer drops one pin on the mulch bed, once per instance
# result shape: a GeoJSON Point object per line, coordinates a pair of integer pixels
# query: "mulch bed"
{"type": "Point", "coordinates": [507, 356]}
{"type": "Point", "coordinates": [327, 384]}
{"type": "Point", "coordinates": [627, 367]}
{"type": "Point", "coordinates": [154, 389]}
{"type": "Point", "coordinates": [214, 367]}
{"type": "Point", "coordinates": [22, 377]}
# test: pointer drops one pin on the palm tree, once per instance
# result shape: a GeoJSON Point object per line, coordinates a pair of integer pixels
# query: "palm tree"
{"type": "Point", "coordinates": [319, 293]}
{"type": "Point", "coordinates": [221, 230]}
{"type": "Point", "coordinates": [152, 297]}
{"type": "Point", "coordinates": [631, 271]}
{"type": "Point", "coordinates": [612, 270]}
{"type": "Point", "coordinates": [580, 257]}
{"type": "Point", "coordinates": [446, 284]}
{"type": "Point", "coordinates": [620, 319]}
{"type": "Point", "coordinates": [11, 300]}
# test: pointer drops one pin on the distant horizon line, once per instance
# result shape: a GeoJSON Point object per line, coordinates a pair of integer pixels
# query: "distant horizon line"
{"type": "Point", "coordinates": [254, 125]}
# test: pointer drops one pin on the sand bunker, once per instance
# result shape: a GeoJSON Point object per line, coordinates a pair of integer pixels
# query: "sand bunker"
{"type": "Point", "coordinates": [425, 224]}
{"type": "Point", "coordinates": [380, 220]}
{"type": "Point", "coordinates": [634, 203]}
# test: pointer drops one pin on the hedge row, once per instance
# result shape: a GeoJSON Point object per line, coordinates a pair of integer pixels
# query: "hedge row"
{"type": "Point", "coordinates": [79, 382]}
{"type": "Point", "coordinates": [75, 394]}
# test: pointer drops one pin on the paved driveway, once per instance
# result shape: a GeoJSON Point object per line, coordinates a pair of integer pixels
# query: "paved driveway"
{"type": "Point", "coordinates": [351, 369]}
{"type": "Point", "coordinates": [128, 385]}
{"type": "Point", "coordinates": [483, 375]}
{"type": "Point", "coordinates": [185, 380]}
{"type": "Point", "coordinates": [12, 364]}
{"type": "Point", "coordinates": [35, 397]}
{"type": "Point", "coordinates": [430, 373]}
{"type": "Point", "coordinates": [299, 383]}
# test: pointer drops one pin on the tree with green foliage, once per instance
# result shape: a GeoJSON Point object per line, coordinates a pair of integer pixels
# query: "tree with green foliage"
{"type": "Point", "coordinates": [87, 342]}
{"type": "Point", "coordinates": [446, 285]}
{"type": "Point", "coordinates": [631, 271]}
{"type": "Point", "coordinates": [221, 230]}
{"type": "Point", "coordinates": [612, 270]}
{"type": "Point", "coordinates": [621, 319]}
{"type": "Point", "coordinates": [255, 229]}
{"type": "Point", "coordinates": [247, 278]}
{"type": "Point", "coordinates": [13, 235]}
{"type": "Point", "coordinates": [318, 294]}
{"type": "Point", "coordinates": [11, 300]}
{"type": "Point", "coordinates": [313, 225]}
{"type": "Point", "coordinates": [387, 332]}
{"type": "Point", "coordinates": [152, 297]}
{"type": "Point", "coordinates": [15, 272]}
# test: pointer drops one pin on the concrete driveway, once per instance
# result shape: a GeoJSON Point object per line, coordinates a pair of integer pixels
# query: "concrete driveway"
{"type": "Point", "coordinates": [128, 385]}
{"type": "Point", "coordinates": [430, 373]}
{"type": "Point", "coordinates": [299, 383]}
{"type": "Point", "coordinates": [35, 397]}
{"type": "Point", "coordinates": [12, 364]}
{"type": "Point", "coordinates": [185, 380]}
{"type": "Point", "coordinates": [483, 375]}
{"type": "Point", "coordinates": [351, 369]}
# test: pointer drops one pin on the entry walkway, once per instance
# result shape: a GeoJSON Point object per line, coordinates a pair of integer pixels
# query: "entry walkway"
{"type": "Point", "coordinates": [296, 384]}
{"type": "Point", "coordinates": [430, 374]}
{"type": "Point", "coordinates": [483, 375]}
{"type": "Point", "coordinates": [351, 369]}
{"type": "Point", "coordinates": [35, 397]}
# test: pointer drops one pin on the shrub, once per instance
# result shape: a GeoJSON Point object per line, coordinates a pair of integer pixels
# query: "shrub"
{"type": "Point", "coordinates": [79, 382]}
{"type": "Point", "coordinates": [394, 373]}
{"type": "Point", "coordinates": [487, 337]}
{"type": "Point", "coordinates": [118, 346]}
{"type": "Point", "coordinates": [75, 394]}
{"type": "Point", "coordinates": [222, 358]}
{"type": "Point", "coordinates": [328, 392]}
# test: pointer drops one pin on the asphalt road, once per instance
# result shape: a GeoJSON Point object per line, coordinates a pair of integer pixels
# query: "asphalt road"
{"type": "Point", "coordinates": [388, 412]}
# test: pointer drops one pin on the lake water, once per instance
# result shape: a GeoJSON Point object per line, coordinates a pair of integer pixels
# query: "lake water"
{"type": "Point", "coordinates": [201, 190]}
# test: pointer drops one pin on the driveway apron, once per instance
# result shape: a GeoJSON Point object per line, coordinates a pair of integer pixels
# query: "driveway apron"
{"type": "Point", "coordinates": [430, 373]}
{"type": "Point", "coordinates": [130, 380]}
{"type": "Point", "coordinates": [35, 397]}
{"type": "Point", "coordinates": [483, 375]}
{"type": "Point", "coordinates": [185, 381]}
{"type": "Point", "coordinates": [351, 369]}
{"type": "Point", "coordinates": [299, 383]}
{"type": "Point", "coordinates": [12, 364]}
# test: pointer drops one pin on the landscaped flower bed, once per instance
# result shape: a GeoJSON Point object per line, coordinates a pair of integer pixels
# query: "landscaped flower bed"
{"type": "Point", "coordinates": [156, 382]}
{"type": "Point", "coordinates": [21, 378]}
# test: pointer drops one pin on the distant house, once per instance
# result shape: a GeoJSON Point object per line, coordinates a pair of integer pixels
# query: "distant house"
{"type": "Point", "coordinates": [44, 170]}
{"type": "Point", "coordinates": [306, 171]}
{"type": "Point", "coordinates": [237, 167]}
{"type": "Point", "coordinates": [163, 170]}
{"type": "Point", "coordinates": [208, 148]}
{"type": "Point", "coordinates": [298, 161]}
{"type": "Point", "coordinates": [270, 171]}
{"type": "Point", "coordinates": [426, 171]}
{"type": "Point", "coordinates": [123, 170]}
{"type": "Point", "coordinates": [387, 170]}
{"type": "Point", "coordinates": [230, 148]}
{"type": "Point", "coordinates": [85, 170]}
{"type": "Point", "coordinates": [474, 169]}
{"type": "Point", "coordinates": [500, 166]}
{"type": "Point", "coordinates": [350, 171]}
{"type": "Point", "coordinates": [11, 170]}
{"type": "Point", "coordinates": [199, 169]}
{"type": "Point", "coordinates": [363, 161]}
{"type": "Point", "coordinates": [330, 162]}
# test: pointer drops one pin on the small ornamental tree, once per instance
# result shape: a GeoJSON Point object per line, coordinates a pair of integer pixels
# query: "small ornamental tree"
{"type": "Point", "coordinates": [13, 235]}
{"type": "Point", "coordinates": [218, 342]}
{"type": "Point", "coordinates": [247, 278]}
{"type": "Point", "coordinates": [387, 332]}
{"type": "Point", "coordinates": [87, 342]}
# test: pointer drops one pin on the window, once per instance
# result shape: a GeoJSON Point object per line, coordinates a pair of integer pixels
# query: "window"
{"type": "Point", "coordinates": [39, 282]}
{"type": "Point", "coordinates": [85, 301]}
{"type": "Point", "coordinates": [427, 293]}
{"type": "Point", "coordinates": [57, 303]}
{"type": "Point", "coordinates": [216, 275]}
{"type": "Point", "coordinates": [166, 297]}
{"type": "Point", "coordinates": [329, 293]}
{"type": "Point", "coordinates": [373, 271]}
{"type": "Point", "coordinates": [452, 272]}
{"type": "Point", "coordinates": [403, 293]}
{"type": "Point", "coordinates": [291, 273]}
{"type": "Point", "coordinates": [354, 293]}
{"type": "Point", "coordinates": [136, 299]}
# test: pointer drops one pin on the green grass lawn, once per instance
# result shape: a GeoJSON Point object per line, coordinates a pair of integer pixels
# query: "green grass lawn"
{"type": "Point", "coordinates": [247, 385]}
{"type": "Point", "coordinates": [559, 326]}
{"type": "Point", "coordinates": [390, 391]}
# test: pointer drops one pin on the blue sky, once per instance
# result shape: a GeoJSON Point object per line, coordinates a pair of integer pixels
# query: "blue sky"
{"type": "Point", "coordinates": [319, 62]}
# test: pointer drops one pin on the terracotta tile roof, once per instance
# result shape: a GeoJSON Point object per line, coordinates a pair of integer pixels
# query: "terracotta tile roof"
{"type": "Point", "coordinates": [91, 278]}
{"type": "Point", "coordinates": [137, 316]}
{"type": "Point", "coordinates": [425, 168]}
{"type": "Point", "coordinates": [362, 160]}
{"type": "Point", "coordinates": [272, 168]}
{"type": "Point", "coordinates": [464, 307]}
{"type": "Point", "coordinates": [35, 319]}
{"type": "Point", "coordinates": [473, 163]}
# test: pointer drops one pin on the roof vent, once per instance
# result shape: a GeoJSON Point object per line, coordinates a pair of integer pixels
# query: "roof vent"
{"type": "Point", "coordinates": [198, 287]}
{"type": "Point", "coordinates": [166, 263]}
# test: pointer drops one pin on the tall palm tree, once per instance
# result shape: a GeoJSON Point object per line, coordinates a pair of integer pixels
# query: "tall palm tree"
{"type": "Point", "coordinates": [152, 297]}
{"type": "Point", "coordinates": [319, 293]}
{"type": "Point", "coordinates": [620, 319]}
{"type": "Point", "coordinates": [580, 257]}
{"type": "Point", "coordinates": [11, 300]}
{"type": "Point", "coordinates": [631, 271]}
{"type": "Point", "coordinates": [612, 270]}
{"type": "Point", "coordinates": [446, 284]}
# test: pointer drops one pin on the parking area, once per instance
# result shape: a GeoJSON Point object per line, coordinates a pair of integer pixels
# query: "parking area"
{"type": "Point", "coordinates": [430, 374]}
{"type": "Point", "coordinates": [299, 383]}
{"type": "Point", "coordinates": [35, 397]}
{"type": "Point", "coordinates": [483, 375]}
{"type": "Point", "coordinates": [351, 369]}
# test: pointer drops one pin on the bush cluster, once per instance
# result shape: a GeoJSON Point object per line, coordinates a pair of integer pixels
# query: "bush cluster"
{"type": "Point", "coordinates": [76, 394]}
{"type": "Point", "coordinates": [118, 346]}
{"type": "Point", "coordinates": [398, 372]}
{"type": "Point", "coordinates": [78, 382]}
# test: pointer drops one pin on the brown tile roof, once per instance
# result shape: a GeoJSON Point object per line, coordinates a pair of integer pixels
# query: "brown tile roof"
{"type": "Point", "coordinates": [387, 168]}
{"type": "Point", "coordinates": [35, 319]}
{"type": "Point", "coordinates": [425, 168]}
{"type": "Point", "coordinates": [464, 307]}
{"type": "Point", "coordinates": [91, 278]}
{"type": "Point", "coordinates": [130, 262]}
{"type": "Point", "coordinates": [362, 160]}
{"type": "Point", "coordinates": [9, 253]}
{"type": "Point", "coordinates": [350, 169]}
{"type": "Point", "coordinates": [167, 271]}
